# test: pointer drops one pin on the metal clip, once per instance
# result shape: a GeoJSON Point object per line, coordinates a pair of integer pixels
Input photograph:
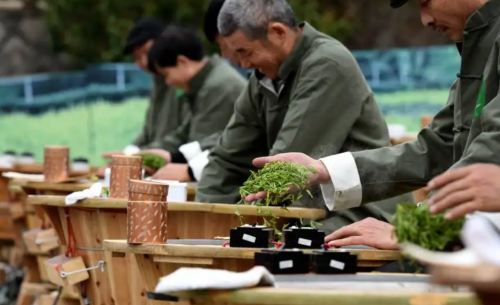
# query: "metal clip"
{"type": "Point", "coordinates": [40, 241]}
{"type": "Point", "coordinates": [100, 265]}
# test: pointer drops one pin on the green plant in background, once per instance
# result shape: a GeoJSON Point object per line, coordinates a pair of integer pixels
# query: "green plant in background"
{"type": "Point", "coordinates": [417, 225]}
{"type": "Point", "coordinates": [276, 179]}
{"type": "Point", "coordinates": [153, 161]}
{"type": "Point", "coordinates": [95, 31]}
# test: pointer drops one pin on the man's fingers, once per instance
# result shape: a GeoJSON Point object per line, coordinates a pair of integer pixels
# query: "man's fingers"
{"type": "Point", "coordinates": [260, 162]}
{"type": "Point", "coordinates": [348, 241]}
{"type": "Point", "coordinates": [341, 233]}
{"type": "Point", "coordinates": [454, 199]}
{"type": "Point", "coordinates": [462, 210]}
{"type": "Point", "coordinates": [254, 197]}
{"type": "Point", "coordinates": [448, 177]}
{"type": "Point", "coordinates": [448, 190]}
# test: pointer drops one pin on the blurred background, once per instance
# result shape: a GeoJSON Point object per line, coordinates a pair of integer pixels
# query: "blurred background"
{"type": "Point", "coordinates": [64, 80]}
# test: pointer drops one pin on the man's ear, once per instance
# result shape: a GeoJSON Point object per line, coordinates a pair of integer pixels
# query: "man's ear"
{"type": "Point", "coordinates": [277, 32]}
{"type": "Point", "coordinates": [182, 60]}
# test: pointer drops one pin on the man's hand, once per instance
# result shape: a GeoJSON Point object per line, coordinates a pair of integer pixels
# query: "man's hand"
{"type": "Point", "coordinates": [321, 176]}
{"type": "Point", "coordinates": [466, 190]}
{"type": "Point", "coordinates": [165, 155]}
{"type": "Point", "coordinates": [107, 155]}
{"type": "Point", "coordinates": [173, 171]}
{"type": "Point", "coordinates": [367, 232]}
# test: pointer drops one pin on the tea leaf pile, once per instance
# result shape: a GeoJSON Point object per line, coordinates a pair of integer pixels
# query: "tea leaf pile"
{"type": "Point", "coordinates": [431, 231]}
{"type": "Point", "coordinates": [153, 161]}
{"type": "Point", "coordinates": [275, 179]}
{"type": "Point", "coordinates": [283, 182]}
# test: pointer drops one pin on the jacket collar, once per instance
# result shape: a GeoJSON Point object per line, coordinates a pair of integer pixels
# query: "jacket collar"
{"type": "Point", "coordinates": [481, 17]}
{"type": "Point", "coordinates": [293, 60]}
{"type": "Point", "coordinates": [197, 81]}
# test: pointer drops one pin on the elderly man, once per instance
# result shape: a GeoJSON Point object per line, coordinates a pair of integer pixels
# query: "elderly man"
{"type": "Point", "coordinates": [166, 110]}
{"type": "Point", "coordinates": [212, 86]}
{"type": "Point", "coordinates": [465, 132]}
{"type": "Point", "coordinates": [307, 94]}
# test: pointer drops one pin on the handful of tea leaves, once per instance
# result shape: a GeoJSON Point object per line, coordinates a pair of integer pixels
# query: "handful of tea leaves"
{"type": "Point", "coordinates": [275, 179]}
{"type": "Point", "coordinates": [417, 225]}
{"type": "Point", "coordinates": [153, 161]}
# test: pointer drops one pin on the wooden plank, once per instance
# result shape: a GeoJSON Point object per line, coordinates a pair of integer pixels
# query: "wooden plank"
{"type": "Point", "coordinates": [245, 210]}
{"type": "Point", "coordinates": [276, 296]}
{"type": "Point", "coordinates": [35, 289]}
{"type": "Point", "coordinates": [227, 252]}
{"type": "Point", "coordinates": [183, 260]}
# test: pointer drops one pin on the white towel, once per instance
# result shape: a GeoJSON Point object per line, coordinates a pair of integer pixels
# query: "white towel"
{"type": "Point", "coordinates": [185, 279]}
{"type": "Point", "coordinates": [481, 239]}
{"type": "Point", "coordinates": [92, 192]}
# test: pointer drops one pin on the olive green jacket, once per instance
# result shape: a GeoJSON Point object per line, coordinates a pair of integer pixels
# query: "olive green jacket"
{"type": "Point", "coordinates": [211, 98]}
{"type": "Point", "coordinates": [322, 106]}
{"type": "Point", "coordinates": [464, 132]}
{"type": "Point", "coordinates": [165, 114]}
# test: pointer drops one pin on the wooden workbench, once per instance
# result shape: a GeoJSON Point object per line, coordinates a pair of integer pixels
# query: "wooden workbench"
{"type": "Point", "coordinates": [95, 220]}
{"type": "Point", "coordinates": [50, 188]}
{"type": "Point", "coordinates": [156, 261]}
{"type": "Point", "coordinates": [365, 289]}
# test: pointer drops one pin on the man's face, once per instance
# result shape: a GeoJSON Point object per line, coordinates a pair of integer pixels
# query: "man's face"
{"type": "Point", "coordinates": [179, 75]}
{"type": "Point", "coordinates": [264, 55]}
{"type": "Point", "coordinates": [448, 17]}
{"type": "Point", "coordinates": [227, 53]}
{"type": "Point", "coordinates": [141, 55]}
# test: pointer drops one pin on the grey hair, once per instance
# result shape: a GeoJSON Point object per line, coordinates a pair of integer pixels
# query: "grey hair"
{"type": "Point", "coordinates": [252, 17]}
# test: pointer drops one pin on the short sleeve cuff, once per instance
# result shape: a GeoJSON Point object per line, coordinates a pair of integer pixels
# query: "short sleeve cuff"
{"type": "Point", "coordinates": [344, 192]}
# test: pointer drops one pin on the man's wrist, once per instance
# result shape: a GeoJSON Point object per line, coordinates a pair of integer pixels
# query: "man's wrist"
{"type": "Point", "coordinates": [323, 174]}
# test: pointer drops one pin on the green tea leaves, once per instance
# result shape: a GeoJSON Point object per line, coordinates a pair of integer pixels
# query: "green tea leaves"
{"type": "Point", "coordinates": [153, 161]}
{"type": "Point", "coordinates": [433, 232]}
{"type": "Point", "coordinates": [283, 182]}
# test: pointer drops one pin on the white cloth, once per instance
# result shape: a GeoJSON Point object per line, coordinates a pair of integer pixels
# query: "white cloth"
{"type": "Point", "coordinates": [480, 236]}
{"type": "Point", "coordinates": [344, 191]}
{"type": "Point", "coordinates": [24, 177]}
{"type": "Point", "coordinates": [185, 279]}
{"type": "Point", "coordinates": [177, 191]}
{"type": "Point", "coordinates": [397, 130]}
{"type": "Point", "coordinates": [130, 150]}
{"type": "Point", "coordinates": [7, 161]}
{"type": "Point", "coordinates": [92, 192]}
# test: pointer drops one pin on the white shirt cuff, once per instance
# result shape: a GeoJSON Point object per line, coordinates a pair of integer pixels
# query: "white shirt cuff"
{"type": "Point", "coordinates": [190, 150]}
{"type": "Point", "coordinates": [344, 192]}
{"type": "Point", "coordinates": [130, 150]}
{"type": "Point", "coordinates": [198, 163]}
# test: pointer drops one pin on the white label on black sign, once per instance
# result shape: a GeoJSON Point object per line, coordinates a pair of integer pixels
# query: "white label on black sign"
{"type": "Point", "coordinates": [249, 238]}
{"type": "Point", "coordinates": [286, 264]}
{"type": "Point", "coordinates": [304, 242]}
{"type": "Point", "coordinates": [337, 265]}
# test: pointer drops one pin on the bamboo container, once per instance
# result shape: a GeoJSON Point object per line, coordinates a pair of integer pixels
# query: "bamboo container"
{"type": "Point", "coordinates": [56, 163]}
{"type": "Point", "coordinates": [123, 168]}
{"type": "Point", "coordinates": [147, 222]}
{"type": "Point", "coordinates": [140, 190]}
{"type": "Point", "coordinates": [147, 212]}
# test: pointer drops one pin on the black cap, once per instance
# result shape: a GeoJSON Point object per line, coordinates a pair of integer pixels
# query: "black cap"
{"type": "Point", "coordinates": [210, 22]}
{"type": "Point", "coordinates": [144, 30]}
{"type": "Point", "coordinates": [398, 3]}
